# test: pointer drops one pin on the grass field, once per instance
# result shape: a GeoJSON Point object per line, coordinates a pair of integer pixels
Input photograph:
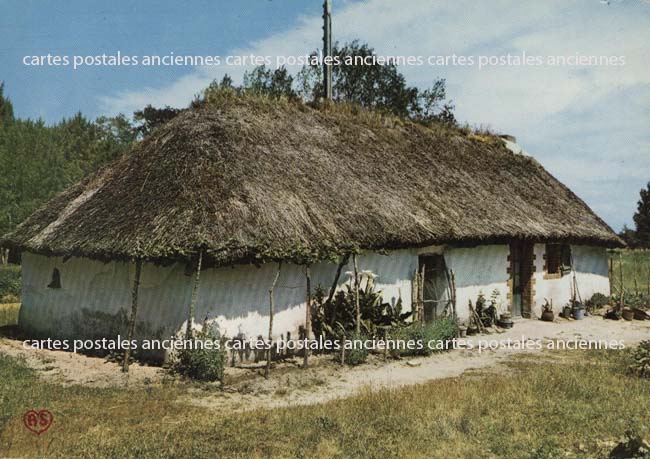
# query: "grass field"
{"type": "Point", "coordinates": [9, 314]}
{"type": "Point", "coordinates": [636, 271]}
{"type": "Point", "coordinates": [538, 409]}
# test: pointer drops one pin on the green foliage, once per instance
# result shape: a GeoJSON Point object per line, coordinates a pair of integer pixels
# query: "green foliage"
{"type": "Point", "coordinates": [432, 337]}
{"type": "Point", "coordinates": [641, 360]}
{"type": "Point", "coordinates": [38, 161]}
{"type": "Point", "coordinates": [149, 118]}
{"type": "Point", "coordinates": [10, 283]}
{"type": "Point", "coordinates": [597, 301]}
{"type": "Point", "coordinates": [642, 218]}
{"type": "Point", "coordinates": [378, 86]}
{"type": "Point", "coordinates": [331, 318]}
{"type": "Point", "coordinates": [357, 354]}
{"type": "Point", "coordinates": [203, 364]}
{"type": "Point", "coordinates": [6, 108]}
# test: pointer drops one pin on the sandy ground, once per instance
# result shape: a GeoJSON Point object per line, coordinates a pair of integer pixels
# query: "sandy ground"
{"type": "Point", "coordinates": [325, 380]}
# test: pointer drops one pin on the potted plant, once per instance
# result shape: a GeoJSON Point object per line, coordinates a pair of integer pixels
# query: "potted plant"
{"type": "Point", "coordinates": [547, 311]}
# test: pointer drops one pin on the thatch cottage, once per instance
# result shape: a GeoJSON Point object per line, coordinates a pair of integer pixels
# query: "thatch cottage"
{"type": "Point", "coordinates": [249, 183]}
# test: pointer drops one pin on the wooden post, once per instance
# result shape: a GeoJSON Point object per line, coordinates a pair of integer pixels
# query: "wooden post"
{"type": "Point", "coordinates": [421, 296]}
{"type": "Point", "coordinates": [305, 361]}
{"type": "Point", "coordinates": [414, 296]}
{"type": "Point", "coordinates": [356, 293]}
{"type": "Point", "coordinates": [453, 293]}
{"type": "Point", "coordinates": [610, 275]}
{"type": "Point", "coordinates": [134, 313]}
{"type": "Point", "coordinates": [622, 288]}
{"type": "Point", "coordinates": [337, 276]}
{"type": "Point", "coordinates": [271, 311]}
{"type": "Point", "coordinates": [195, 289]}
{"type": "Point", "coordinates": [327, 49]}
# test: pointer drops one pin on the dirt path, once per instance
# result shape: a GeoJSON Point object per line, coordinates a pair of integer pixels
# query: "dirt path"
{"type": "Point", "coordinates": [325, 380]}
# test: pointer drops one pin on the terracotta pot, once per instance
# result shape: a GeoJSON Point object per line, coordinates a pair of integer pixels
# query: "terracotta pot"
{"type": "Point", "coordinates": [628, 314]}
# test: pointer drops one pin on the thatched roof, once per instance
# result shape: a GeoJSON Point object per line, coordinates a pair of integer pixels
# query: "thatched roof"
{"type": "Point", "coordinates": [254, 179]}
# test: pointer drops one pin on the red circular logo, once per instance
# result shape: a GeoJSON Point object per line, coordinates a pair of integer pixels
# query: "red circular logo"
{"type": "Point", "coordinates": [38, 421]}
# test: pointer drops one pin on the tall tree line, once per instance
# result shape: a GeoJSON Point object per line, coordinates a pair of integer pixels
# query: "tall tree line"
{"type": "Point", "coordinates": [37, 161]}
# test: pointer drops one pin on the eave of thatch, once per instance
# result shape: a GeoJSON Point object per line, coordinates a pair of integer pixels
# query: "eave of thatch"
{"type": "Point", "coordinates": [251, 180]}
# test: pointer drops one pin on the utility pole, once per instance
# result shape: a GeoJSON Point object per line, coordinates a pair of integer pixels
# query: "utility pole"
{"type": "Point", "coordinates": [327, 49]}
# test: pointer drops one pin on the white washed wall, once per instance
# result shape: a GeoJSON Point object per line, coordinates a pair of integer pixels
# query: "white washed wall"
{"type": "Point", "coordinates": [481, 269]}
{"type": "Point", "coordinates": [591, 268]}
{"type": "Point", "coordinates": [237, 297]}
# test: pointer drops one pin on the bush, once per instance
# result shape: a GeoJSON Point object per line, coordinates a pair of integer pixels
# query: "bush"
{"type": "Point", "coordinates": [597, 301]}
{"type": "Point", "coordinates": [437, 333]}
{"type": "Point", "coordinates": [10, 284]}
{"type": "Point", "coordinates": [202, 364]}
{"type": "Point", "coordinates": [641, 360]}
{"type": "Point", "coordinates": [359, 354]}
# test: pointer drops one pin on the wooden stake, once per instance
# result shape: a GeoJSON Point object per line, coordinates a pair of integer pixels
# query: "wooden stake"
{"type": "Point", "coordinates": [453, 293]}
{"type": "Point", "coordinates": [610, 275]}
{"type": "Point", "coordinates": [337, 276]}
{"type": "Point", "coordinates": [620, 269]}
{"type": "Point", "coordinates": [414, 296]}
{"type": "Point", "coordinates": [195, 289]}
{"type": "Point", "coordinates": [356, 293]}
{"type": "Point", "coordinates": [271, 310]}
{"type": "Point", "coordinates": [134, 313]}
{"type": "Point", "coordinates": [421, 298]}
{"type": "Point", "coordinates": [305, 361]}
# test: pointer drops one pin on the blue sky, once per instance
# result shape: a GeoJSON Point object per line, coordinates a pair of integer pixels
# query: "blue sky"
{"type": "Point", "coordinates": [587, 125]}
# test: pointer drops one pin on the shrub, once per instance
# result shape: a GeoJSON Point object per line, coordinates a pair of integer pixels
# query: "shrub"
{"type": "Point", "coordinates": [10, 283]}
{"type": "Point", "coordinates": [432, 337]}
{"type": "Point", "coordinates": [202, 364]}
{"type": "Point", "coordinates": [641, 360]}
{"type": "Point", "coordinates": [597, 301]}
{"type": "Point", "coordinates": [358, 354]}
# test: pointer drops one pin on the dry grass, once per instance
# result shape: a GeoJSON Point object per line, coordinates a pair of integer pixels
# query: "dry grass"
{"type": "Point", "coordinates": [540, 410]}
{"type": "Point", "coordinates": [9, 314]}
{"type": "Point", "coordinates": [251, 179]}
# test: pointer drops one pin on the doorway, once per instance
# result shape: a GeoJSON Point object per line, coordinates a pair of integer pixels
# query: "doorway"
{"type": "Point", "coordinates": [521, 276]}
{"type": "Point", "coordinates": [435, 286]}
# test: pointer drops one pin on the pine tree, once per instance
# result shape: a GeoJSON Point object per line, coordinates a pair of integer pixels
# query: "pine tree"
{"type": "Point", "coordinates": [642, 218]}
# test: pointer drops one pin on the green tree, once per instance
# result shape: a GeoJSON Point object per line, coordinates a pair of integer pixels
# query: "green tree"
{"type": "Point", "coordinates": [262, 81]}
{"type": "Point", "coordinates": [378, 86]}
{"type": "Point", "coordinates": [642, 218]}
{"type": "Point", "coordinates": [6, 108]}
{"type": "Point", "coordinates": [150, 118]}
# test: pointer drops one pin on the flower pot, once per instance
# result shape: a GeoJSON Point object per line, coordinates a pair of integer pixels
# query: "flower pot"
{"type": "Point", "coordinates": [548, 316]}
{"type": "Point", "coordinates": [462, 331]}
{"type": "Point", "coordinates": [628, 314]}
{"type": "Point", "coordinates": [566, 312]}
